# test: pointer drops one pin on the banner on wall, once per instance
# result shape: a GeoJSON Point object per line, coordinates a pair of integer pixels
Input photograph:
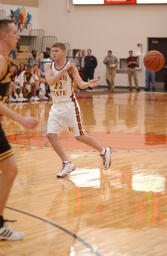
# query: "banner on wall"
{"type": "Point", "coordinates": [21, 17]}
{"type": "Point", "coordinates": [112, 2]}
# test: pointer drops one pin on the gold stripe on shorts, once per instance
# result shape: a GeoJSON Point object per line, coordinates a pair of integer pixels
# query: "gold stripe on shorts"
{"type": "Point", "coordinates": [6, 154]}
{"type": "Point", "coordinates": [77, 115]}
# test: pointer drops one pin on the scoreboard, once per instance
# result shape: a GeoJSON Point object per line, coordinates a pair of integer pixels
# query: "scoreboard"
{"type": "Point", "coordinates": [112, 2]}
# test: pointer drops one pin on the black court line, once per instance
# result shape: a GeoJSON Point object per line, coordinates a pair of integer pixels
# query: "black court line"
{"type": "Point", "coordinates": [83, 242]}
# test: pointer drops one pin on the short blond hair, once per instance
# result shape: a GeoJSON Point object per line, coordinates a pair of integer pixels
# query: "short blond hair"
{"type": "Point", "coordinates": [59, 45]}
{"type": "Point", "coordinates": [4, 24]}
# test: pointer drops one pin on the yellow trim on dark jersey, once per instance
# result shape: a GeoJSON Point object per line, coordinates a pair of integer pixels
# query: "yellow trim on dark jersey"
{"type": "Point", "coordinates": [6, 154]}
{"type": "Point", "coordinates": [5, 80]}
{"type": "Point", "coordinates": [5, 66]}
{"type": "Point", "coordinates": [5, 76]}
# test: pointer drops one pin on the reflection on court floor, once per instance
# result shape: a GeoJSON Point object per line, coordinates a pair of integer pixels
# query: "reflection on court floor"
{"type": "Point", "coordinates": [118, 212]}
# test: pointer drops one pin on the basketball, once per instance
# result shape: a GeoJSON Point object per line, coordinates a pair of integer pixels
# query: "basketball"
{"type": "Point", "coordinates": [154, 61]}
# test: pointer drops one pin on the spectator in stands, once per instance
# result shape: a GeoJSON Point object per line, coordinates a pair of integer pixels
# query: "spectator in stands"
{"type": "Point", "coordinates": [81, 62]}
{"type": "Point", "coordinates": [82, 58]}
{"type": "Point", "coordinates": [90, 63]}
{"type": "Point", "coordinates": [21, 67]}
{"type": "Point", "coordinates": [47, 53]}
{"type": "Point", "coordinates": [27, 81]}
{"type": "Point", "coordinates": [12, 88]}
{"type": "Point", "coordinates": [19, 84]}
{"type": "Point", "coordinates": [132, 64]}
{"type": "Point", "coordinates": [18, 46]}
{"type": "Point", "coordinates": [34, 58]}
{"type": "Point", "coordinates": [39, 82]}
{"type": "Point", "coordinates": [149, 80]}
{"type": "Point", "coordinates": [15, 89]}
{"type": "Point", "coordinates": [12, 55]}
{"type": "Point", "coordinates": [45, 58]}
{"type": "Point", "coordinates": [111, 63]}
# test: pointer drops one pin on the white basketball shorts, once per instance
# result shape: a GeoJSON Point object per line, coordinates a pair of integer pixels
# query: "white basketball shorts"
{"type": "Point", "coordinates": [65, 115]}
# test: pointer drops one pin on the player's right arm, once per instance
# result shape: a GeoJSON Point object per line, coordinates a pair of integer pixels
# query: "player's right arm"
{"type": "Point", "coordinates": [78, 80]}
{"type": "Point", "coordinates": [50, 77]}
{"type": "Point", "coordinates": [27, 122]}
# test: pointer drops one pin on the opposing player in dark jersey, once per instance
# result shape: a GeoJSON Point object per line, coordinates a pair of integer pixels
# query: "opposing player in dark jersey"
{"type": "Point", "coordinates": [8, 168]}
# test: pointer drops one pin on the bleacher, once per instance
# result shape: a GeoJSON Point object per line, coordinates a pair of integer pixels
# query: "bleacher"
{"type": "Point", "coordinates": [22, 55]}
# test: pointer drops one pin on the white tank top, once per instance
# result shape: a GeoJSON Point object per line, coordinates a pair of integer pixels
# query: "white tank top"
{"type": "Point", "coordinates": [63, 89]}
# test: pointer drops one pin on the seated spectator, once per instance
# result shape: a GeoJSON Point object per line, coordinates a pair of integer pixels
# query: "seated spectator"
{"type": "Point", "coordinates": [12, 88]}
{"type": "Point", "coordinates": [27, 83]}
{"type": "Point", "coordinates": [34, 58]}
{"type": "Point", "coordinates": [21, 67]}
{"type": "Point", "coordinates": [30, 87]}
{"type": "Point", "coordinates": [46, 54]}
{"type": "Point", "coordinates": [18, 82]}
{"type": "Point", "coordinates": [15, 87]}
{"type": "Point", "coordinates": [39, 81]}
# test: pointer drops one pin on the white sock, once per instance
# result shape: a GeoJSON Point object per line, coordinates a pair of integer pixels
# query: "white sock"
{"type": "Point", "coordinates": [66, 162]}
{"type": "Point", "coordinates": [102, 152]}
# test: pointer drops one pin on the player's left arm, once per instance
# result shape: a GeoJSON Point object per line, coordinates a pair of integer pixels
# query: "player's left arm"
{"type": "Point", "coordinates": [78, 80]}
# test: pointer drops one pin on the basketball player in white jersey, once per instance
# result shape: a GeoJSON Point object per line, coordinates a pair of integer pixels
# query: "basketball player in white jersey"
{"type": "Point", "coordinates": [65, 112]}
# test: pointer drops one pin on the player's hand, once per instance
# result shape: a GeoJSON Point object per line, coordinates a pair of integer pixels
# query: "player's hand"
{"type": "Point", "coordinates": [93, 83]}
{"type": "Point", "coordinates": [29, 122]}
{"type": "Point", "coordinates": [71, 67]}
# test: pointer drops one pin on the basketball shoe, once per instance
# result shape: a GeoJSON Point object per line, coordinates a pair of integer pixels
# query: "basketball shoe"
{"type": "Point", "coordinates": [106, 158]}
{"type": "Point", "coordinates": [66, 169]}
{"type": "Point", "coordinates": [7, 233]}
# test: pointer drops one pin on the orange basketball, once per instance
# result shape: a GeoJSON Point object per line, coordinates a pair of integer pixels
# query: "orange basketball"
{"type": "Point", "coordinates": [154, 61]}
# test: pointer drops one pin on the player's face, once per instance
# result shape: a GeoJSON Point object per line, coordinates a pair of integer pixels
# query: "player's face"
{"type": "Point", "coordinates": [12, 37]}
{"type": "Point", "coordinates": [57, 54]}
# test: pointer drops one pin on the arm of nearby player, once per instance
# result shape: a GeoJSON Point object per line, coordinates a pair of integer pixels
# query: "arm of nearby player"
{"type": "Point", "coordinates": [28, 122]}
{"type": "Point", "coordinates": [50, 77]}
{"type": "Point", "coordinates": [78, 80]}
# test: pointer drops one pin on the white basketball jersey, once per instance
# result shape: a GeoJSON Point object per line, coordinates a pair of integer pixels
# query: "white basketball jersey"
{"type": "Point", "coordinates": [63, 89]}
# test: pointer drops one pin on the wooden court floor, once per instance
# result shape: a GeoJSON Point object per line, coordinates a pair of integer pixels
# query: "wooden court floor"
{"type": "Point", "coordinates": [118, 212]}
